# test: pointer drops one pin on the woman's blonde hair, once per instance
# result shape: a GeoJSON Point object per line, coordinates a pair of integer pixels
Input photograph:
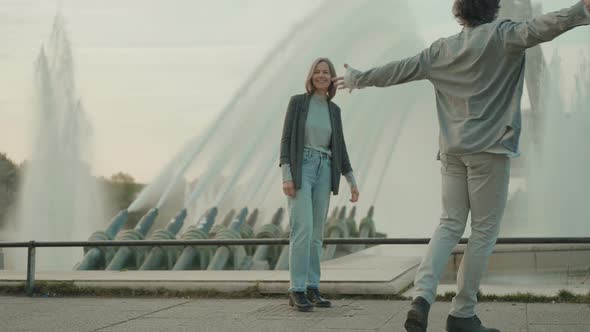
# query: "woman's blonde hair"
{"type": "Point", "coordinates": [309, 84]}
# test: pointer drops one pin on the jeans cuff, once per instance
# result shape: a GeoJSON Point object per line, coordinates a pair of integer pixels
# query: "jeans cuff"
{"type": "Point", "coordinates": [312, 286]}
{"type": "Point", "coordinates": [460, 314]}
{"type": "Point", "coordinates": [297, 289]}
{"type": "Point", "coordinates": [427, 297]}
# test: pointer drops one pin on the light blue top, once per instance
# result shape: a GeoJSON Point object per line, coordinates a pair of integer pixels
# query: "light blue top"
{"type": "Point", "coordinates": [478, 77]}
{"type": "Point", "coordinates": [318, 127]}
{"type": "Point", "coordinates": [318, 134]}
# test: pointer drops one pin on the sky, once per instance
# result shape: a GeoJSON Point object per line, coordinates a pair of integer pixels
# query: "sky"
{"type": "Point", "coordinates": [153, 74]}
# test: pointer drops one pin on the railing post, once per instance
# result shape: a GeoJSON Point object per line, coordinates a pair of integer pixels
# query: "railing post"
{"type": "Point", "coordinates": [30, 284]}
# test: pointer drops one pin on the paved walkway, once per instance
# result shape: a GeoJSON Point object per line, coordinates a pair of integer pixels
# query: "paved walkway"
{"type": "Point", "coordinates": [136, 314]}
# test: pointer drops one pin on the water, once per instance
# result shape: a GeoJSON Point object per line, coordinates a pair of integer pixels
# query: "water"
{"type": "Point", "coordinates": [60, 199]}
{"type": "Point", "coordinates": [179, 165]}
{"type": "Point", "coordinates": [391, 133]}
{"type": "Point", "coordinates": [370, 37]}
{"type": "Point", "coordinates": [558, 181]}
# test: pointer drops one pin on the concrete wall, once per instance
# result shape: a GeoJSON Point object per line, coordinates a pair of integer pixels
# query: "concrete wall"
{"type": "Point", "coordinates": [530, 258]}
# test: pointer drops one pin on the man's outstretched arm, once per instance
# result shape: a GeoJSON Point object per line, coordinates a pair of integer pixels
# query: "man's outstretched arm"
{"type": "Point", "coordinates": [396, 72]}
{"type": "Point", "coordinates": [544, 28]}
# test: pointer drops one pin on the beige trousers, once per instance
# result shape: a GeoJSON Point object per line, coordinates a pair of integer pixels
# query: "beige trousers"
{"type": "Point", "coordinates": [478, 184]}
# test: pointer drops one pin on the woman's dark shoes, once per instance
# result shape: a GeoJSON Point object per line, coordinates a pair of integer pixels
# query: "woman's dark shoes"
{"type": "Point", "coordinates": [471, 324]}
{"type": "Point", "coordinates": [417, 320]}
{"type": "Point", "coordinates": [314, 296]}
{"type": "Point", "coordinates": [300, 301]}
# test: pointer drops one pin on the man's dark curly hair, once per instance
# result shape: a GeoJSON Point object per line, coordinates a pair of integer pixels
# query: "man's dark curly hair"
{"type": "Point", "coordinates": [472, 13]}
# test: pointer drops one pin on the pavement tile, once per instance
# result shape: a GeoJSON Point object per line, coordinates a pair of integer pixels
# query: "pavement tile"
{"type": "Point", "coordinates": [233, 303]}
{"type": "Point", "coordinates": [362, 322]}
{"type": "Point", "coordinates": [16, 300]}
{"type": "Point", "coordinates": [61, 318]}
{"type": "Point", "coordinates": [507, 317]}
{"type": "Point", "coordinates": [363, 315]}
{"type": "Point", "coordinates": [196, 308]}
{"type": "Point", "coordinates": [246, 324]}
{"type": "Point", "coordinates": [161, 324]}
{"type": "Point", "coordinates": [513, 317]}
{"type": "Point", "coordinates": [284, 311]}
{"type": "Point", "coordinates": [438, 313]}
{"type": "Point", "coordinates": [116, 315]}
{"type": "Point", "coordinates": [558, 314]}
{"type": "Point", "coordinates": [559, 328]}
{"type": "Point", "coordinates": [339, 329]}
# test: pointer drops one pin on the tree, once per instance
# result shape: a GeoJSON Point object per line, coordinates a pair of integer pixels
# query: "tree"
{"type": "Point", "coordinates": [9, 180]}
{"type": "Point", "coordinates": [122, 178]}
{"type": "Point", "coordinates": [120, 189]}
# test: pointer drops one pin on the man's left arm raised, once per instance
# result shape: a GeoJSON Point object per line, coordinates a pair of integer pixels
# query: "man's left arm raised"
{"type": "Point", "coordinates": [396, 72]}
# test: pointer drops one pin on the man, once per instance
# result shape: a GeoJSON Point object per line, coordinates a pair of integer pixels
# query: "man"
{"type": "Point", "coordinates": [478, 77]}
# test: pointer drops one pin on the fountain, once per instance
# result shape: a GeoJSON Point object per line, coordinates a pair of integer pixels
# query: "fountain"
{"type": "Point", "coordinates": [236, 153]}
{"type": "Point", "coordinates": [59, 199]}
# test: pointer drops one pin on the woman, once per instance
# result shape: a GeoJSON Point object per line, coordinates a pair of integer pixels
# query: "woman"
{"type": "Point", "coordinates": [313, 156]}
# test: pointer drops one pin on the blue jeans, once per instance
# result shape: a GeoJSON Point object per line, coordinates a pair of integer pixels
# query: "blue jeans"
{"type": "Point", "coordinates": [308, 211]}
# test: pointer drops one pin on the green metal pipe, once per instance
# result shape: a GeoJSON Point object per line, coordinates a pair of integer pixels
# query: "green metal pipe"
{"type": "Point", "coordinates": [247, 231]}
{"type": "Point", "coordinates": [197, 231]}
{"type": "Point", "coordinates": [224, 224]}
{"type": "Point", "coordinates": [95, 258]}
{"type": "Point", "coordinates": [91, 260]}
{"type": "Point", "coordinates": [283, 260]}
{"type": "Point", "coordinates": [338, 228]}
{"type": "Point", "coordinates": [121, 259]}
{"type": "Point", "coordinates": [221, 259]}
{"type": "Point", "coordinates": [350, 222]}
{"type": "Point", "coordinates": [116, 224]}
{"type": "Point", "coordinates": [159, 258]}
{"type": "Point", "coordinates": [266, 256]}
{"type": "Point", "coordinates": [131, 258]}
{"type": "Point", "coordinates": [367, 227]}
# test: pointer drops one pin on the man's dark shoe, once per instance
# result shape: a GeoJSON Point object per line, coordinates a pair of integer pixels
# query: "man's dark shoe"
{"type": "Point", "coordinates": [471, 324]}
{"type": "Point", "coordinates": [314, 296]}
{"type": "Point", "coordinates": [417, 319]}
{"type": "Point", "coordinates": [299, 301]}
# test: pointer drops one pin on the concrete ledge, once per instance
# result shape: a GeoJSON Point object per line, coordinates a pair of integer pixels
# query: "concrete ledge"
{"type": "Point", "coordinates": [379, 270]}
{"type": "Point", "coordinates": [504, 290]}
{"type": "Point", "coordinates": [371, 271]}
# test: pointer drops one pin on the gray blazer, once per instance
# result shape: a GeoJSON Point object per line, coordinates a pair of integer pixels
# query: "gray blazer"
{"type": "Point", "coordinates": [292, 140]}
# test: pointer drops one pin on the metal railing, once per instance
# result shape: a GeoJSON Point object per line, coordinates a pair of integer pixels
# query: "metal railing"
{"type": "Point", "coordinates": [32, 245]}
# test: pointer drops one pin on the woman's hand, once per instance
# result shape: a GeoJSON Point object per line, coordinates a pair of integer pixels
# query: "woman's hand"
{"type": "Point", "coordinates": [354, 193]}
{"type": "Point", "coordinates": [289, 188]}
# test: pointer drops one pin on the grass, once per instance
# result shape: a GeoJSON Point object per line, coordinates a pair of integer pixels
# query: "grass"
{"type": "Point", "coordinates": [61, 289]}
{"type": "Point", "coordinates": [563, 296]}
{"type": "Point", "coordinates": [69, 289]}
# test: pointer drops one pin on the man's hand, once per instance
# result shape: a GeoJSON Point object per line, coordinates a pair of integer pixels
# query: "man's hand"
{"type": "Point", "coordinates": [341, 83]}
{"type": "Point", "coordinates": [354, 192]}
{"type": "Point", "coordinates": [587, 3]}
{"type": "Point", "coordinates": [289, 188]}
